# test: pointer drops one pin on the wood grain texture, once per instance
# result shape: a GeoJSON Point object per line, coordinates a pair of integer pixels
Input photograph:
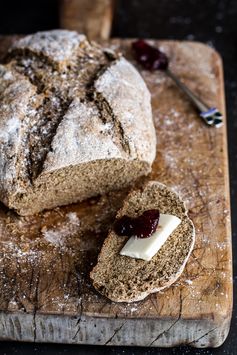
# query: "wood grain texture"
{"type": "Point", "coordinates": [91, 17]}
{"type": "Point", "coordinates": [45, 260]}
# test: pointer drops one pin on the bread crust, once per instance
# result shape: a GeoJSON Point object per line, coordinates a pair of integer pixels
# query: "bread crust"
{"type": "Point", "coordinates": [65, 102]}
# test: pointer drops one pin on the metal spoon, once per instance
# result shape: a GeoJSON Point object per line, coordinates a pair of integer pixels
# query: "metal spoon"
{"type": "Point", "coordinates": [152, 58]}
{"type": "Point", "coordinates": [210, 115]}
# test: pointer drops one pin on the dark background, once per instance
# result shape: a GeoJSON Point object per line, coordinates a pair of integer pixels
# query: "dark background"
{"type": "Point", "coordinates": [213, 22]}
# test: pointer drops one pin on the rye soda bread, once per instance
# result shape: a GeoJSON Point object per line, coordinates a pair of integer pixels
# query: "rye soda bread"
{"type": "Point", "coordinates": [125, 279]}
{"type": "Point", "coordinates": [75, 121]}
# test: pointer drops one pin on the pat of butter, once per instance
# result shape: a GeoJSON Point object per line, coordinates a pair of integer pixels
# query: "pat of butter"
{"type": "Point", "coordinates": [146, 248]}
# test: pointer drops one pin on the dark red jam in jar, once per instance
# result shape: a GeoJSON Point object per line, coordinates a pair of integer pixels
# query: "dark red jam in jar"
{"type": "Point", "coordinates": [149, 57]}
{"type": "Point", "coordinates": [142, 226]}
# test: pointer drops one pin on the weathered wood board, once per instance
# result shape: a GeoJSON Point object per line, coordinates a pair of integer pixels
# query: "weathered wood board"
{"type": "Point", "coordinates": [46, 294]}
{"type": "Point", "coordinates": [91, 17]}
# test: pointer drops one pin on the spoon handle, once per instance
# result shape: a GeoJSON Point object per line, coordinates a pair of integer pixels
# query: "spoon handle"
{"type": "Point", "coordinates": [210, 115]}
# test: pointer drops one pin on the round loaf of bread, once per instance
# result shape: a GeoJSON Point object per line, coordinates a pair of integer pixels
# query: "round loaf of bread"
{"type": "Point", "coordinates": [75, 122]}
{"type": "Point", "coordinates": [125, 279]}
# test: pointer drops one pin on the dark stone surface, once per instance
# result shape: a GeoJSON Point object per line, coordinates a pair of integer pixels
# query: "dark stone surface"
{"type": "Point", "coordinates": [210, 21]}
{"type": "Point", "coordinates": [25, 16]}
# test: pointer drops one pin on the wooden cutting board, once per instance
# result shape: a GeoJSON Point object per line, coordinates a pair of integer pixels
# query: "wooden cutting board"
{"type": "Point", "coordinates": [46, 294]}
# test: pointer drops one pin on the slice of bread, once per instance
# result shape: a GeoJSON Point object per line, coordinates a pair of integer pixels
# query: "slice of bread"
{"type": "Point", "coordinates": [125, 279]}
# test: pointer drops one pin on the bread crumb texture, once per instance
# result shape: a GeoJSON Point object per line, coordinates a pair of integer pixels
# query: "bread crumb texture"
{"type": "Point", "coordinates": [126, 279]}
